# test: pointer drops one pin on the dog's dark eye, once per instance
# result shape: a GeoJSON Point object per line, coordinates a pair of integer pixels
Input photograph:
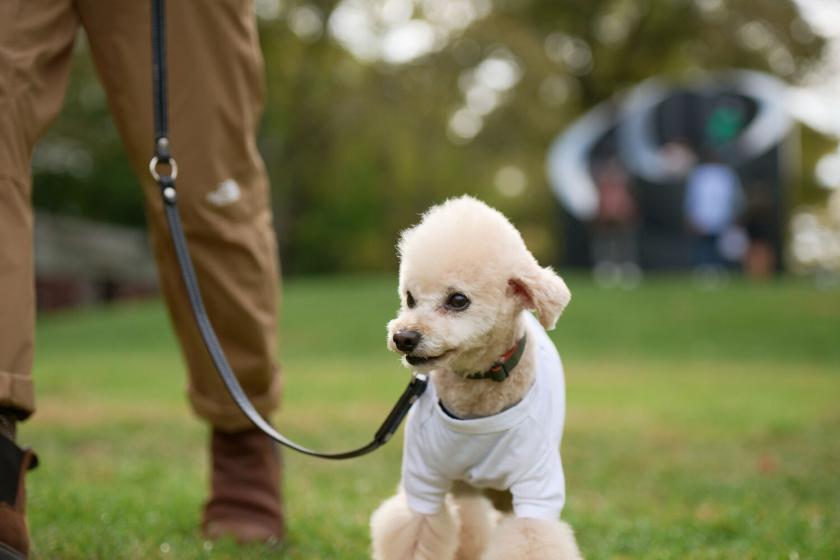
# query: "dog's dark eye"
{"type": "Point", "coordinates": [457, 302]}
{"type": "Point", "coordinates": [409, 300]}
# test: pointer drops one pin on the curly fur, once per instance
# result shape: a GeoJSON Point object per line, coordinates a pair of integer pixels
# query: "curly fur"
{"type": "Point", "coordinates": [531, 539]}
{"type": "Point", "coordinates": [401, 534]}
{"type": "Point", "coordinates": [477, 519]}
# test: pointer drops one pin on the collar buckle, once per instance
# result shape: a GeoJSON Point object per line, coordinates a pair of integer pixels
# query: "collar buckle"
{"type": "Point", "coordinates": [501, 370]}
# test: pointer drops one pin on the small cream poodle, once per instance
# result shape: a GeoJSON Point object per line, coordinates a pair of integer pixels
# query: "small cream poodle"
{"type": "Point", "coordinates": [485, 435]}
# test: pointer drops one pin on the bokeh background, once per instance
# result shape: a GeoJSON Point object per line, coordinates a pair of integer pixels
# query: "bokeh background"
{"type": "Point", "coordinates": [378, 109]}
{"type": "Point", "coordinates": [703, 410]}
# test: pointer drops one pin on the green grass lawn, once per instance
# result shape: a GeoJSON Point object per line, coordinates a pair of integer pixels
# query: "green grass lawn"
{"type": "Point", "coordinates": [700, 425]}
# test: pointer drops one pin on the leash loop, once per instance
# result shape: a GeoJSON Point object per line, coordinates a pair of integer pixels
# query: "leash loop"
{"type": "Point", "coordinates": [166, 181]}
{"type": "Point", "coordinates": [170, 161]}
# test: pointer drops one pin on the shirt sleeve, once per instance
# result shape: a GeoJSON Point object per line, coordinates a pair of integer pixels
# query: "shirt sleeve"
{"type": "Point", "coordinates": [541, 492]}
{"type": "Point", "coordinates": [425, 486]}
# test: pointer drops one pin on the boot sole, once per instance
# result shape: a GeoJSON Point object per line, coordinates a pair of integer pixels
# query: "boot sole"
{"type": "Point", "coordinates": [7, 553]}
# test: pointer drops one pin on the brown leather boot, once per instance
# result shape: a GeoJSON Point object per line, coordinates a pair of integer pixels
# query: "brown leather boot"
{"type": "Point", "coordinates": [14, 534]}
{"type": "Point", "coordinates": [245, 498]}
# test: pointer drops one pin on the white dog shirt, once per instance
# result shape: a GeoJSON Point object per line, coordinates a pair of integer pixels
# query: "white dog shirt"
{"type": "Point", "coordinates": [516, 449]}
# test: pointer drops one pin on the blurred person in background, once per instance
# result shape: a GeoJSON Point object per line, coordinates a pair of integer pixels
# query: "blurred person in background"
{"type": "Point", "coordinates": [614, 243]}
{"type": "Point", "coordinates": [760, 258]}
{"type": "Point", "coordinates": [678, 158]}
{"type": "Point", "coordinates": [216, 95]}
{"type": "Point", "coordinates": [713, 202]}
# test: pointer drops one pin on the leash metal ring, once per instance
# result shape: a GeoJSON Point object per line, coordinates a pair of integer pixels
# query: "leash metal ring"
{"type": "Point", "coordinates": [173, 168]}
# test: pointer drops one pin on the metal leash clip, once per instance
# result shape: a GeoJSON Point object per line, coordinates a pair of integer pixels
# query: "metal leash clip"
{"type": "Point", "coordinates": [173, 168]}
{"type": "Point", "coordinates": [167, 181]}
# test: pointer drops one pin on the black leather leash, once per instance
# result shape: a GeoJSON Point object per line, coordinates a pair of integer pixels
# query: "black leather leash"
{"type": "Point", "coordinates": [164, 169]}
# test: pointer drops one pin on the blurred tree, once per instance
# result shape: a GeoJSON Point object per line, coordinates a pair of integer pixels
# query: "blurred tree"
{"type": "Point", "coordinates": [378, 108]}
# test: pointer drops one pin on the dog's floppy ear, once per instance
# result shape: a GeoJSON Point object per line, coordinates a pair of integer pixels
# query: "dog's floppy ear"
{"type": "Point", "coordinates": [543, 290]}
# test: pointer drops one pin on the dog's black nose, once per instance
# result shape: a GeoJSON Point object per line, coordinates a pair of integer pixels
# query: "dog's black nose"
{"type": "Point", "coordinates": [407, 341]}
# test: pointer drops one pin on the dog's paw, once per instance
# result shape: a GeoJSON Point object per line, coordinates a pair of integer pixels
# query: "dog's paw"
{"type": "Point", "coordinates": [398, 533]}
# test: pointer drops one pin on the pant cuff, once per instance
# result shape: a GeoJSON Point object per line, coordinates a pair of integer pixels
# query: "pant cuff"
{"type": "Point", "coordinates": [224, 415]}
{"type": "Point", "coordinates": [16, 391]}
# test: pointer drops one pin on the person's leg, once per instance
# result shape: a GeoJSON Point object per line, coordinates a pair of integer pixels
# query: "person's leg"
{"type": "Point", "coordinates": [36, 43]}
{"type": "Point", "coordinates": [215, 103]}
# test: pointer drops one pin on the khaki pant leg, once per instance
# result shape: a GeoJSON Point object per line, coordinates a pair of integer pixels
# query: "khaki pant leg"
{"type": "Point", "coordinates": [36, 43]}
{"type": "Point", "coordinates": [215, 102]}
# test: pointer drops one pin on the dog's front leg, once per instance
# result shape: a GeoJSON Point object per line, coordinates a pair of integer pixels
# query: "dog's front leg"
{"type": "Point", "coordinates": [477, 519]}
{"type": "Point", "coordinates": [398, 533]}
{"type": "Point", "coordinates": [532, 539]}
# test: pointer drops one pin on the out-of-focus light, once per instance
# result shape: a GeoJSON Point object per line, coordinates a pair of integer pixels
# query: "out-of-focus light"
{"type": "Point", "coordinates": [500, 71]}
{"type": "Point", "coordinates": [709, 6]}
{"type": "Point", "coordinates": [612, 28]}
{"type": "Point", "coordinates": [555, 90]}
{"type": "Point", "coordinates": [396, 11]}
{"type": "Point", "coordinates": [399, 31]}
{"type": "Point", "coordinates": [511, 181]}
{"type": "Point", "coordinates": [822, 15]}
{"type": "Point", "coordinates": [482, 100]}
{"type": "Point", "coordinates": [553, 46]}
{"type": "Point", "coordinates": [351, 25]}
{"type": "Point", "coordinates": [803, 221]}
{"type": "Point", "coordinates": [268, 9]}
{"type": "Point", "coordinates": [817, 107]}
{"type": "Point", "coordinates": [572, 52]}
{"type": "Point", "coordinates": [464, 125]}
{"type": "Point", "coordinates": [815, 244]}
{"type": "Point", "coordinates": [306, 22]}
{"type": "Point", "coordinates": [807, 246]}
{"type": "Point", "coordinates": [455, 15]}
{"type": "Point", "coordinates": [828, 171]}
{"type": "Point", "coordinates": [408, 41]}
{"type": "Point", "coordinates": [483, 87]}
{"type": "Point", "coordinates": [755, 35]}
{"type": "Point", "coordinates": [781, 61]}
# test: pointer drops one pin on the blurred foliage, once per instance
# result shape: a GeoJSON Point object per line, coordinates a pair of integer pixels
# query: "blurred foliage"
{"type": "Point", "coordinates": [357, 149]}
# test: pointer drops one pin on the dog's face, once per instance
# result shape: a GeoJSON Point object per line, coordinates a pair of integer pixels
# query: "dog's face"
{"type": "Point", "coordinates": [443, 319]}
{"type": "Point", "coordinates": [465, 275]}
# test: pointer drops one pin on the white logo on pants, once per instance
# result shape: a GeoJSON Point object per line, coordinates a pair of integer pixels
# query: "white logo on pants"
{"type": "Point", "coordinates": [227, 192]}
